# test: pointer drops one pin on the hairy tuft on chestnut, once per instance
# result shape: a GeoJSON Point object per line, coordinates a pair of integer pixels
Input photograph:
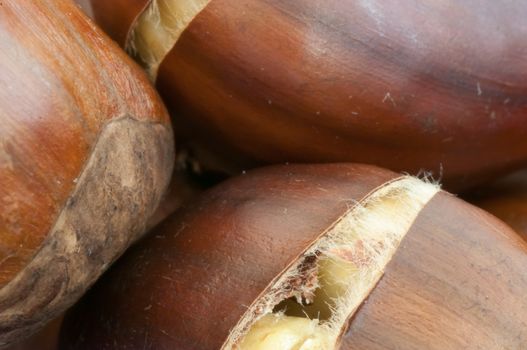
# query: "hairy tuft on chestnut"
{"type": "Point", "coordinates": [314, 257]}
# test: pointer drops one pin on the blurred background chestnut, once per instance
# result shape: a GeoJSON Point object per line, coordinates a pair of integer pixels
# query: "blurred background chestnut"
{"type": "Point", "coordinates": [86, 152]}
{"type": "Point", "coordinates": [507, 199]}
{"type": "Point", "coordinates": [310, 257]}
{"type": "Point", "coordinates": [414, 85]}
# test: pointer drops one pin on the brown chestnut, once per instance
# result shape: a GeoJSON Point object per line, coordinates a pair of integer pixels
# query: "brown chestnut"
{"type": "Point", "coordinates": [411, 85]}
{"type": "Point", "coordinates": [86, 152]}
{"type": "Point", "coordinates": [314, 257]}
{"type": "Point", "coordinates": [507, 199]}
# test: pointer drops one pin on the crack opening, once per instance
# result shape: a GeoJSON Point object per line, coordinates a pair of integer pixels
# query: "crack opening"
{"type": "Point", "coordinates": [308, 307]}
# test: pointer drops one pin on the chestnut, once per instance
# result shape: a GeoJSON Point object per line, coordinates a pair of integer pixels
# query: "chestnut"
{"type": "Point", "coordinates": [314, 257]}
{"type": "Point", "coordinates": [412, 85]}
{"type": "Point", "coordinates": [507, 199]}
{"type": "Point", "coordinates": [86, 152]}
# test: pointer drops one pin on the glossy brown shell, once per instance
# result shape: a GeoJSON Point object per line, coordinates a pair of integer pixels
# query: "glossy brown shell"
{"type": "Point", "coordinates": [408, 85]}
{"type": "Point", "coordinates": [116, 24]}
{"type": "Point", "coordinates": [457, 280]}
{"type": "Point", "coordinates": [86, 151]}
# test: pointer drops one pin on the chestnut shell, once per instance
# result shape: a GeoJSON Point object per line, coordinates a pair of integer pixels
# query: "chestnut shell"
{"type": "Point", "coordinates": [457, 279]}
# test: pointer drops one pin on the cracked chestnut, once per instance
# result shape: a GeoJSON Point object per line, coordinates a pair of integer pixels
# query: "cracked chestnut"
{"type": "Point", "coordinates": [314, 257]}
{"type": "Point", "coordinates": [413, 85]}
